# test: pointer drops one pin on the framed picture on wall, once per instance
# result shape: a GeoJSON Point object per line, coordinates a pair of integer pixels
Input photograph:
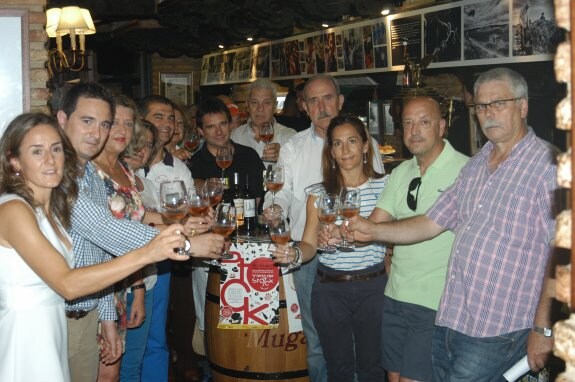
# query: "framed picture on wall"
{"type": "Point", "coordinates": [14, 65]}
{"type": "Point", "coordinates": [177, 87]}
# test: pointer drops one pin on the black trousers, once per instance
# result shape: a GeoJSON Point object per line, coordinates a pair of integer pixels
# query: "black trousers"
{"type": "Point", "coordinates": [347, 316]}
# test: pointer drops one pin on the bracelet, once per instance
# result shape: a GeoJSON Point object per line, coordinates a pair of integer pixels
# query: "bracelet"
{"type": "Point", "coordinates": [296, 262]}
{"type": "Point", "coordinates": [139, 286]}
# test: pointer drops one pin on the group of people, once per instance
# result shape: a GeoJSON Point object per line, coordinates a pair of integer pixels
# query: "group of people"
{"type": "Point", "coordinates": [448, 279]}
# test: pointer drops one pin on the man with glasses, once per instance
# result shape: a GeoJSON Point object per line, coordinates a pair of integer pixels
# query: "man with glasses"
{"type": "Point", "coordinates": [496, 303]}
{"type": "Point", "coordinates": [418, 270]}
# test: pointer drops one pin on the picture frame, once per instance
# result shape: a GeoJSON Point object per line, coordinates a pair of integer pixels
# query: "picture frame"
{"type": "Point", "coordinates": [15, 48]}
{"type": "Point", "coordinates": [178, 87]}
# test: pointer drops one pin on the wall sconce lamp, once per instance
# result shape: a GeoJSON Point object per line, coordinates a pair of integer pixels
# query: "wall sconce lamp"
{"type": "Point", "coordinates": [73, 21]}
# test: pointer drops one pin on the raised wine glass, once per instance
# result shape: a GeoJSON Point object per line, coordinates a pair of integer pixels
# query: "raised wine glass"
{"type": "Point", "coordinates": [224, 224]}
{"type": "Point", "coordinates": [267, 132]}
{"type": "Point", "coordinates": [198, 203]}
{"type": "Point", "coordinates": [174, 206]}
{"type": "Point", "coordinates": [327, 210]}
{"type": "Point", "coordinates": [280, 231]}
{"type": "Point", "coordinates": [275, 176]}
{"type": "Point", "coordinates": [223, 158]}
{"type": "Point", "coordinates": [213, 188]}
{"type": "Point", "coordinates": [192, 141]}
{"type": "Point", "coordinates": [349, 203]}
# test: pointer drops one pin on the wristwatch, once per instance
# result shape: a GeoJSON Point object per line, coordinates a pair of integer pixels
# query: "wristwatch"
{"type": "Point", "coordinates": [547, 332]}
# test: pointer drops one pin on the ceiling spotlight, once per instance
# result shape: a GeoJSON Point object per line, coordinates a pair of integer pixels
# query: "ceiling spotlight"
{"type": "Point", "coordinates": [325, 25]}
{"type": "Point", "coordinates": [250, 39]}
{"type": "Point", "coordinates": [221, 46]}
{"type": "Point", "coordinates": [385, 12]}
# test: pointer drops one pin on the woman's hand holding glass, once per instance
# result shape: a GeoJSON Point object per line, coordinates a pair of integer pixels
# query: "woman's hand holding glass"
{"type": "Point", "coordinates": [280, 235]}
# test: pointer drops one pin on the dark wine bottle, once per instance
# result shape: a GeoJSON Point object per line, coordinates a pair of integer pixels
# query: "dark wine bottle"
{"type": "Point", "coordinates": [407, 76]}
{"type": "Point", "coordinates": [250, 223]}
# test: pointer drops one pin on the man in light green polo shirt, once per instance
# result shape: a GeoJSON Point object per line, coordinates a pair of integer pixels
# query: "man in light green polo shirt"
{"type": "Point", "coordinates": [418, 271]}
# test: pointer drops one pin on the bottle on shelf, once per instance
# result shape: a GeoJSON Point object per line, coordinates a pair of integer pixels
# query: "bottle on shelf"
{"type": "Point", "coordinates": [407, 75]}
{"type": "Point", "coordinates": [250, 223]}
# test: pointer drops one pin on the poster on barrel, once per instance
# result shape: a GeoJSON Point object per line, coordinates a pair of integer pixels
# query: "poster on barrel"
{"type": "Point", "coordinates": [249, 289]}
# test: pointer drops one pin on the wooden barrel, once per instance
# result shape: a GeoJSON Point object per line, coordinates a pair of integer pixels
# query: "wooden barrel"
{"type": "Point", "coordinates": [252, 354]}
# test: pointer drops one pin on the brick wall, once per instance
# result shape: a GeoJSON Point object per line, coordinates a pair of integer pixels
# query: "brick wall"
{"type": "Point", "coordinates": [38, 53]}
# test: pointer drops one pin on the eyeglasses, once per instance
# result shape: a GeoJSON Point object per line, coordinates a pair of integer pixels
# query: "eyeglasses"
{"type": "Point", "coordinates": [497, 105]}
{"type": "Point", "coordinates": [413, 186]}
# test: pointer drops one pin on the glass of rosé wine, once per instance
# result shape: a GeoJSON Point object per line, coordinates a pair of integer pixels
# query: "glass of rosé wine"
{"type": "Point", "coordinates": [327, 210]}
{"type": "Point", "coordinates": [275, 176]}
{"type": "Point", "coordinates": [349, 203]}
{"type": "Point", "coordinates": [224, 158]}
{"type": "Point", "coordinates": [224, 224]}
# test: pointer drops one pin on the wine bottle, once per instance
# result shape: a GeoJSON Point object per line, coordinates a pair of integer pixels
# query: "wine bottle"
{"type": "Point", "coordinates": [249, 209]}
{"type": "Point", "coordinates": [227, 194]}
{"type": "Point", "coordinates": [238, 202]}
{"type": "Point", "coordinates": [407, 75]}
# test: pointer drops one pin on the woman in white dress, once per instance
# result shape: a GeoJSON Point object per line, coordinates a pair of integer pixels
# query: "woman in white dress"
{"type": "Point", "coordinates": [37, 183]}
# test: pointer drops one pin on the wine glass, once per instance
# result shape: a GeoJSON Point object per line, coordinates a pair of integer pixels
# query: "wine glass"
{"type": "Point", "coordinates": [174, 206]}
{"type": "Point", "coordinates": [224, 224]}
{"type": "Point", "coordinates": [213, 189]}
{"type": "Point", "coordinates": [280, 231]}
{"type": "Point", "coordinates": [223, 158]}
{"type": "Point", "coordinates": [198, 203]}
{"type": "Point", "coordinates": [267, 132]}
{"type": "Point", "coordinates": [192, 141]}
{"type": "Point", "coordinates": [274, 179]}
{"type": "Point", "coordinates": [327, 209]}
{"type": "Point", "coordinates": [349, 203]}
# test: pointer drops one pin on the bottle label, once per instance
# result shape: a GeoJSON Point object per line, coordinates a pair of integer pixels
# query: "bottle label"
{"type": "Point", "coordinates": [249, 208]}
{"type": "Point", "coordinates": [239, 204]}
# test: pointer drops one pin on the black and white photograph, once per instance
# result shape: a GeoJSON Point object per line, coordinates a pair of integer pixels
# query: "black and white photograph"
{"type": "Point", "coordinates": [486, 30]}
{"type": "Point", "coordinates": [405, 34]}
{"type": "Point", "coordinates": [442, 34]}
{"type": "Point", "coordinates": [533, 27]}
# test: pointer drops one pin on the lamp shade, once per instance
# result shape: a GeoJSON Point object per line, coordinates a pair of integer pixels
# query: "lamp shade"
{"type": "Point", "coordinates": [91, 29]}
{"type": "Point", "coordinates": [71, 18]}
{"type": "Point", "coordinates": [52, 21]}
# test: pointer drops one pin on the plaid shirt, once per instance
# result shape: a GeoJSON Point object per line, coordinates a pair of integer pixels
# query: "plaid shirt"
{"type": "Point", "coordinates": [97, 236]}
{"type": "Point", "coordinates": [503, 225]}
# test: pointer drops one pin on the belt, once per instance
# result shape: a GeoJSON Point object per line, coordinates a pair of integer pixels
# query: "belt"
{"type": "Point", "coordinates": [325, 277]}
{"type": "Point", "coordinates": [77, 314]}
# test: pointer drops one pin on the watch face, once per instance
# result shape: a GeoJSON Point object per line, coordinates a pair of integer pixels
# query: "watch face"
{"type": "Point", "coordinates": [547, 332]}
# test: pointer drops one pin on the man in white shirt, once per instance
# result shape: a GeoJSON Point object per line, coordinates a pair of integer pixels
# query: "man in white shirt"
{"type": "Point", "coordinates": [164, 168]}
{"type": "Point", "coordinates": [301, 158]}
{"type": "Point", "coordinates": [262, 102]}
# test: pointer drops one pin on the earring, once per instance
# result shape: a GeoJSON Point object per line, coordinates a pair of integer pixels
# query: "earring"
{"type": "Point", "coordinates": [17, 173]}
{"type": "Point", "coordinates": [333, 164]}
{"type": "Point", "coordinates": [364, 158]}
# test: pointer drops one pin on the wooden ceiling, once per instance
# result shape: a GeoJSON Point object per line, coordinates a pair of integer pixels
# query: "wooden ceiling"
{"type": "Point", "coordinates": [174, 28]}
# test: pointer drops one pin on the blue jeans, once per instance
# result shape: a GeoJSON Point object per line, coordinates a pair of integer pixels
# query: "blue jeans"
{"type": "Point", "coordinates": [157, 357]}
{"type": "Point", "coordinates": [136, 340]}
{"type": "Point", "coordinates": [457, 357]}
{"type": "Point", "coordinates": [303, 279]}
